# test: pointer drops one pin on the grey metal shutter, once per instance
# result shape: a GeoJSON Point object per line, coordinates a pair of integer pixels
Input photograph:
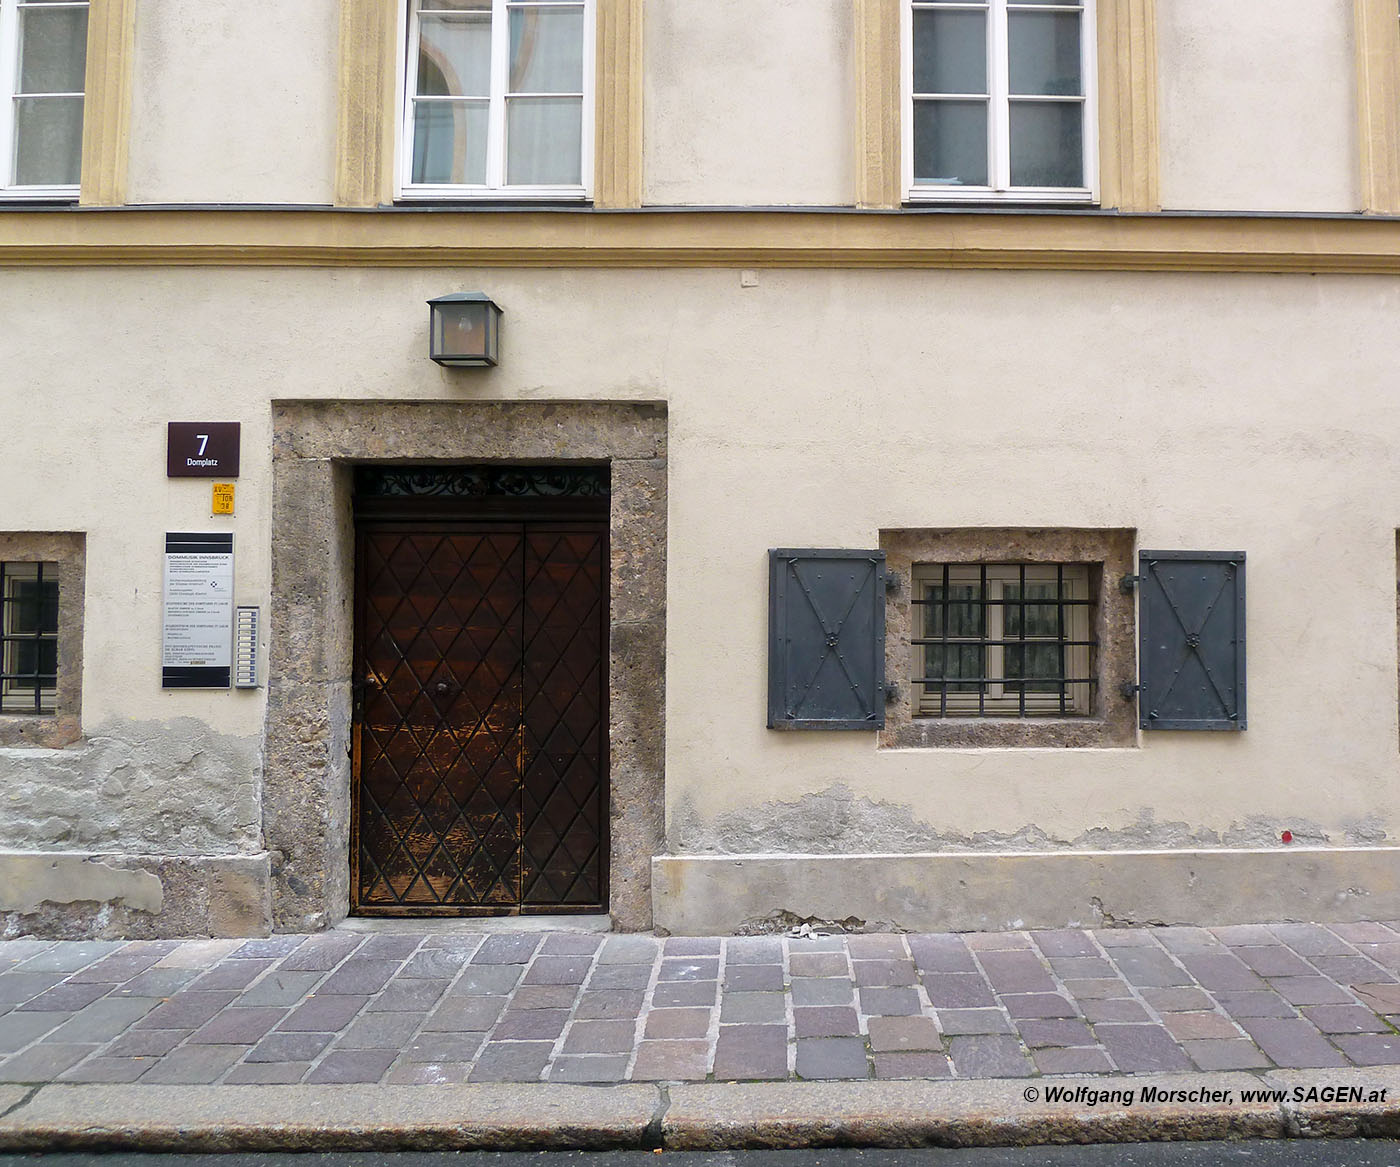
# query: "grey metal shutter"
{"type": "Point", "coordinates": [826, 639]}
{"type": "Point", "coordinates": [1191, 625]}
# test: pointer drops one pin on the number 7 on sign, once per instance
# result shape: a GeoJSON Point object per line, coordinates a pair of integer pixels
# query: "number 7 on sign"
{"type": "Point", "coordinates": [203, 441]}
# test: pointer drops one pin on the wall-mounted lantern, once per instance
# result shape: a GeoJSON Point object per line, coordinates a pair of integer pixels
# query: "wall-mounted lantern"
{"type": "Point", "coordinates": [464, 330]}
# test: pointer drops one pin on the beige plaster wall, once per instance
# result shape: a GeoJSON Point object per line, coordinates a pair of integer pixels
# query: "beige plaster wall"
{"type": "Point", "coordinates": [234, 101]}
{"type": "Point", "coordinates": [99, 416]}
{"type": "Point", "coordinates": [1258, 105]}
{"type": "Point", "coordinates": [1206, 411]}
{"type": "Point", "coordinates": [748, 102]}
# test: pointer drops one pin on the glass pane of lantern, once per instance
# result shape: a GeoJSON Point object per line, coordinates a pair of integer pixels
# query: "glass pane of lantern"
{"type": "Point", "coordinates": [463, 332]}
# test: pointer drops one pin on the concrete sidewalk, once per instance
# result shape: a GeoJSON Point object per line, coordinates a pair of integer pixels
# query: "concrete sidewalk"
{"type": "Point", "coordinates": [430, 1039]}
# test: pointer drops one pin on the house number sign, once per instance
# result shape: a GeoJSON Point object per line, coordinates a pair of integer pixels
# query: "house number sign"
{"type": "Point", "coordinates": [202, 449]}
{"type": "Point", "coordinates": [197, 632]}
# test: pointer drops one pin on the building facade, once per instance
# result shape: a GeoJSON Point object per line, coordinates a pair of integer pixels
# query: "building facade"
{"type": "Point", "coordinates": [892, 400]}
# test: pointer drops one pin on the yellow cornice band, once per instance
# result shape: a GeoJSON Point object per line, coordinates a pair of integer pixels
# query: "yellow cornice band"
{"type": "Point", "coordinates": [680, 239]}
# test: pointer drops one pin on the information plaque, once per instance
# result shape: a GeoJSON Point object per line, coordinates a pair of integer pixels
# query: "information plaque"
{"type": "Point", "coordinates": [197, 640]}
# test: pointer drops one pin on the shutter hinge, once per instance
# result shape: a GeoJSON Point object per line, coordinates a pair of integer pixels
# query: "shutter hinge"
{"type": "Point", "coordinates": [892, 582]}
{"type": "Point", "coordinates": [1129, 582]}
{"type": "Point", "coordinates": [1129, 690]}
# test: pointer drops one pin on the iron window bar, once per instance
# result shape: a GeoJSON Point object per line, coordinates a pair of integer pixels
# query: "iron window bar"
{"type": "Point", "coordinates": [981, 604]}
{"type": "Point", "coordinates": [1016, 643]}
{"type": "Point", "coordinates": [28, 638]}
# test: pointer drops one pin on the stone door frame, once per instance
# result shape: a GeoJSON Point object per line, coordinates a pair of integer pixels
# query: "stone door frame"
{"type": "Point", "coordinates": [306, 762]}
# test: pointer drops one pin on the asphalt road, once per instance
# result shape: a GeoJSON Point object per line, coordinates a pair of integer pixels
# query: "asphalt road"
{"type": "Point", "coordinates": [1293, 1153]}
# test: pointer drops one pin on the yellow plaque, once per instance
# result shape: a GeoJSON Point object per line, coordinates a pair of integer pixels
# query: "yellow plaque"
{"type": "Point", "coordinates": [223, 498]}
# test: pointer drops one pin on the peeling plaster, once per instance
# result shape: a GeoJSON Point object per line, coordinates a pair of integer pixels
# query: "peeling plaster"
{"type": "Point", "coordinates": [154, 787]}
{"type": "Point", "coordinates": [1366, 832]}
{"type": "Point", "coordinates": [784, 921]}
{"type": "Point", "coordinates": [75, 896]}
{"type": "Point", "coordinates": [836, 821]}
{"type": "Point", "coordinates": [69, 879]}
{"type": "Point", "coordinates": [710, 895]}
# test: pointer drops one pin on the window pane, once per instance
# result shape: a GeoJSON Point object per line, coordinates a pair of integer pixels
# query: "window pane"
{"type": "Point", "coordinates": [951, 661]}
{"type": "Point", "coordinates": [1032, 661]}
{"type": "Point", "coordinates": [1047, 143]}
{"type": "Point", "coordinates": [48, 603]}
{"type": "Point", "coordinates": [950, 52]}
{"type": "Point", "coordinates": [53, 50]}
{"type": "Point", "coordinates": [449, 141]}
{"type": "Point", "coordinates": [49, 132]}
{"type": "Point", "coordinates": [546, 50]}
{"type": "Point", "coordinates": [1039, 619]}
{"type": "Point", "coordinates": [960, 614]}
{"type": "Point", "coordinates": [33, 663]}
{"type": "Point", "coordinates": [29, 623]}
{"type": "Point", "coordinates": [32, 607]}
{"type": "Point", "coordinates": [454, 54]}
{"type": "Point", "coordinates": [950, 143]}
{"type": "Point", "coordinates": [1044, 53]}
{"type": "Point", "coordinates": [543, 141]}
{"type": "Point", "coordinates": [961, 618]}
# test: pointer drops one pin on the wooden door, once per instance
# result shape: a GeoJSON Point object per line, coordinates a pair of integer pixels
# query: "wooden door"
{"type": "Point", "coordinates": [480, 737]}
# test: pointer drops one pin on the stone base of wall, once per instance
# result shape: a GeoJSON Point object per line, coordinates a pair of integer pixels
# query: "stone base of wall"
{"type": "Point", "coordinates": [72, 895]}
{"type": "Point", "coordinates": [698, 895]}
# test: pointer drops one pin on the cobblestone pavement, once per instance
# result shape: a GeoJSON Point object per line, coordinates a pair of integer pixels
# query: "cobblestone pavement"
{"type": "Point", "coordinates": [345, 1006]}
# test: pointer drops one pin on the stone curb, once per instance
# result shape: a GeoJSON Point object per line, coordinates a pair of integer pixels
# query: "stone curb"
{"type": "Point", "coordinates": [694, 1116]}
{"type": "Point", "coordinates": [318, 1118]}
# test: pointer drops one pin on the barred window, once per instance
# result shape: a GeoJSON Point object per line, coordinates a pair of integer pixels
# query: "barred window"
{"type": "Point", "coordinates": [1004, 640]}
{"type": "Point", "coordinates": [29, 635]}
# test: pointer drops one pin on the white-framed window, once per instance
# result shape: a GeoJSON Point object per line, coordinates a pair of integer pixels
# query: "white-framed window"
{"type": "Point", "coordinates": [497, 99]}
{"type": "Point", "coordinates": [1003, 640]}
{"type": "Point", "coordinates": [28, 637]}
{"type": "Point", "coordinates": [43, 59]}
{"type": "Point", "coordinates": [999, 100]}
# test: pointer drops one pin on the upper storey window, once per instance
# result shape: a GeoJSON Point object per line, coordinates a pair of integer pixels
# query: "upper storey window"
{"type": "Point", "coordinates": [498, 99]}
{"type": "Point", "coordinates": [999, 100]}
{"type": "Point", "coordinates": [43, 58]}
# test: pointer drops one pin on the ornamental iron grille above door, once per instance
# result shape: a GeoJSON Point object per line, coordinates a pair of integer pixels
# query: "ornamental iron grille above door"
{"type": "Point", "coordinates": [826, 639]}
{"type": "Point", "coordinates": [480, 741]}
{"type": "Point", "coordinates": [1191, 625]}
